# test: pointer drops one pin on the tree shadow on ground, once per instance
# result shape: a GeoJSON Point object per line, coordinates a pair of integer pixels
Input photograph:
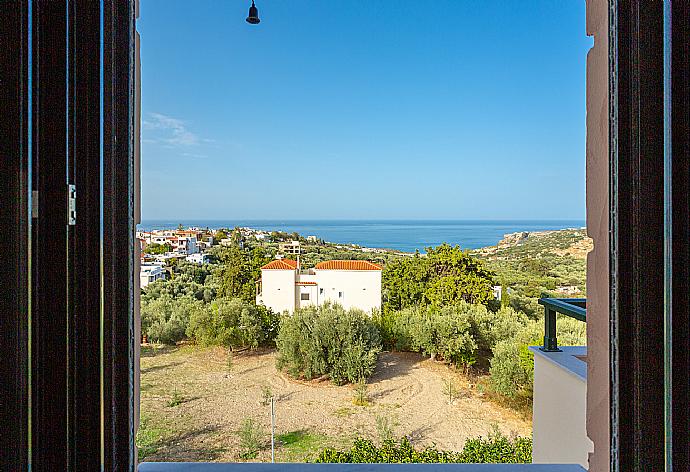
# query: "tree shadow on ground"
{"type": "Point", "coordinates": [394, 364]}
{"type": "Point", "coordinates": [151, 350]}
{"type": "Point", "coordinates": [156, 368]}
{"type": "Point", "coordinates": [190, 446]}
{"type": "Point", "coordinates": [254, 353]}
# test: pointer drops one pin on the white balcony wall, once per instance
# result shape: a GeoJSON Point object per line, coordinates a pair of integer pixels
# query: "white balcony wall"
{"type": "Point", "coordinates": [559, 418]}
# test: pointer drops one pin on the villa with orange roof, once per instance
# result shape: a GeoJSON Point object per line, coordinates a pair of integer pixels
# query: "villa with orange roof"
{"type": "Point", "coordinates": [352, 284]}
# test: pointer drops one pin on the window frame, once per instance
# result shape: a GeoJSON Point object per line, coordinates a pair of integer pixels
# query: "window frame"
{"type": "Point", "coordinates": [649, 237]}
{"type": "Point", "coordinates": [648, 220]}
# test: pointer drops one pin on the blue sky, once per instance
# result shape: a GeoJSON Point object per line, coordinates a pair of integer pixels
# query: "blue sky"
{"type": "Point", "coordinates": [363, 109]}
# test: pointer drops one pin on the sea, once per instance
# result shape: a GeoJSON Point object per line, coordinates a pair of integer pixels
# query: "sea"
{"type": "Point", "coordinates": [401, 235]}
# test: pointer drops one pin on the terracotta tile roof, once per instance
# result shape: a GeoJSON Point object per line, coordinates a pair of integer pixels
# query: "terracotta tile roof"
{"type": "Point", "coordinates": [281, 264]}
{"type": "Point", "coordinates": [347, 265]}
{"type": "Point", "coordinates": [305, 283]}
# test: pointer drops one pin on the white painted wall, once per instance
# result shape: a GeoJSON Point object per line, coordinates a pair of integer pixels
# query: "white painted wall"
{"type": "Point", "coordinates": [149, 273]}
{"type": "Point", "coordinates": [197, 258]}
{"type": "Point", "coordinates": [278, 290]}
{"type": "Point", "coordinates": [559, 431]}
{"type": "Point", "coordinates": [311, 291]}
{"type": "Point", "coordinates": [350, 288]}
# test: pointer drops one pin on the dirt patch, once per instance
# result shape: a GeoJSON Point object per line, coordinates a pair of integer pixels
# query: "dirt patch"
{"type": "Point", "coordinates": [211, 403]}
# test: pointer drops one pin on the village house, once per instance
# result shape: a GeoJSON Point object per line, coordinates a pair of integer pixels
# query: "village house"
{"type": "Point", "coordinates": [352, 284]}
{"type": "Point", "coordinates": [149, 273]}
{"type": "Point", "coordinates": [291, 247]}
{"type": "Point", "coordinates": [198, 258]}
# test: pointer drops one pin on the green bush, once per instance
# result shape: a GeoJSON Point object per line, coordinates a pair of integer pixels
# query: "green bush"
{"type": "Point", "coordinates": [328, 340]}
{"type": "Point", "coordinates": [442, 332]}
{"type": "Point", "coordinates": [413, 328]}
{"type": "Point", "coordinates": [494, 449]}
{"type": "Point", "coordinates": [233, 323]}
{"type": "Point", "coordinates": [165, 319]}
{"type": "Point", "coordinates": [446, 332]}
{"type": "Point", "coordinates": [181, 285]}
{"type": "Point", "coordinates": [155, 248]}
{"type": "Point", "coordinates": [361, 397]}
{"type": "Point", "coordinates": [512, 365]}
{"type": "Point", "coordinates": [497, 449]}
{"type": "Point", "coordinates": [394, 327]}
{"type": "Point", "coordinates": [251, 436]}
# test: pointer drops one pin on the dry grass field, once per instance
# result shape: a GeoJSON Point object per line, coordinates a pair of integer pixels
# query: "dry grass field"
{"type": "Point", "coordinates": [193, 406]}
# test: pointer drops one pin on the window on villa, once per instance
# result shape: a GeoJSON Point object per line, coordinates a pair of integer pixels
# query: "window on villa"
{"type": "Point", "coordinates": [304, 296]}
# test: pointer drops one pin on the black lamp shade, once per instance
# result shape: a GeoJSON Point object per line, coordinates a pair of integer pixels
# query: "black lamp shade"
{"type": "Point", "coordinates": [253, 17]}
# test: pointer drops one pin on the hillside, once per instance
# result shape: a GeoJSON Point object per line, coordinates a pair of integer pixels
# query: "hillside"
{"type": "Point", "coordinates": [529, 264]}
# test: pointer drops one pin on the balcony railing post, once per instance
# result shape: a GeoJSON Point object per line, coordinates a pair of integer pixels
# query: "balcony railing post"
{"type": "Point", "coordinates": [550, 342]}
{"type": "Point", "coordinates": [573, 307]}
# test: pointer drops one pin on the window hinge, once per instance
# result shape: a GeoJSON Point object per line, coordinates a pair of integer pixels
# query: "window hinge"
{"type": "Point", "coordinates": [72, 204]}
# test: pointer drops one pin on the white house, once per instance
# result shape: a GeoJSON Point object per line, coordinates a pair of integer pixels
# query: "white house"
{"type": "Point", "coordinates": [352, 284]}
{"type": "Point", "coordinates": [197, 258]}
{"type": "Point", "coordinates": [149, 273]}
{"type": "Point", "coordinates": [184, 244]}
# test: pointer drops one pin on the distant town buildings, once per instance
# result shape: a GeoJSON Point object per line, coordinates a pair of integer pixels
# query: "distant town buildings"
{"type": "Point", "coordinates": [290, 247]}
{"type": "Point", "coordinates": [352, 284]}
{"type": "Point", "coordinates": [197, 258]}
{"type": "Point", "coordinates": [182, 242]}
{"type": "Point", "coordinates": [149, 273]}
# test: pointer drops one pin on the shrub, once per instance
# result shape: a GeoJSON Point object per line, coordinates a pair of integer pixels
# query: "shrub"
{"type": "Point", "coordinates": [175, 399]}
{"type": "Point", "coordinates": [361, 397]}
{"type": "Point", "coordinates": [251, 439]}
{"type": "Point", "coordinates": [328, 340]}
{"type": "Point", "coordinates": [457, 333]}
{"type": "Point", "coordinates": [442, 332]}
{"type": "Point", "coordinates": [181, 285]}
{"type": "Point", "coordinates": [495, 449]}
{"type": "Point", "coordinates": [231, 322]}
{"type": "Point", "coordinates": [165, 319]}
{"type": "Point", "coordinates": [394, 327]}
{"type": "Point", "coordinates": [155, 248]}
{"type": "Point", "coordinates": [384, 428]}
{"type": "Point", "coordinates": [450, 390]}
{"type": "Point", "coordinates": [488, 327]}
{"type": "Point", "coordinates": [512, 365]}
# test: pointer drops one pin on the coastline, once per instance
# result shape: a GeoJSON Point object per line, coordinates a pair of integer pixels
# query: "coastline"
{"type": "Point", "coordinates": [404, 236]}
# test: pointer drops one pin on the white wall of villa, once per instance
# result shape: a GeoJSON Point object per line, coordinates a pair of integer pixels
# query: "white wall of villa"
{"type": "Point", "coordinates": [278, 289]}
{"type": "Point", "coordinates": [352, 284]}
{"type": "Point", "coordinates": [350, 288]}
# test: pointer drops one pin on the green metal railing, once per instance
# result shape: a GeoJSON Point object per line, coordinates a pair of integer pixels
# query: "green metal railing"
{"type": "Point", "coordinates": [572, 307]}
